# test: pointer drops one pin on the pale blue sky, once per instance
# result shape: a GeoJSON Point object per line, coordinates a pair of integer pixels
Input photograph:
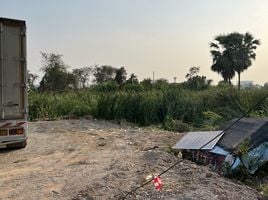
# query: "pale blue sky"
{"type": "Point", "coordinates": [162, 36]}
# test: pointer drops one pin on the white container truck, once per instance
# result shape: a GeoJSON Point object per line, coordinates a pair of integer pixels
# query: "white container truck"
{"type": "Point", "coordinates": [13, 91]}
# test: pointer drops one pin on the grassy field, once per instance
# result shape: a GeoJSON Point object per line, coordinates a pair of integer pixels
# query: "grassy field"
{"type": "Point", "coordinates": [200, 109]}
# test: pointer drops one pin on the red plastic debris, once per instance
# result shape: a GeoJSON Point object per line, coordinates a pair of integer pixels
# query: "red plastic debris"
{"type": "Point", "coordinates": [157, 183]}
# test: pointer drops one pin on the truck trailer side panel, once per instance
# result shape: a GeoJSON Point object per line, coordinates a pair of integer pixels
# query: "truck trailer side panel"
{"type": "Point", "coordinates": [13, 91]}
{"type": "Point", "coordinates": [12, 69]}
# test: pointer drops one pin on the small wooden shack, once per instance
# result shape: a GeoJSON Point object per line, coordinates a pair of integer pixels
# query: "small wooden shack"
{"type": "Point", "coordinates": [245, 143]}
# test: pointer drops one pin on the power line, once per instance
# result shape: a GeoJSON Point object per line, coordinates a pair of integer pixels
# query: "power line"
{"type": "Point", "coordinates": [179, 161]}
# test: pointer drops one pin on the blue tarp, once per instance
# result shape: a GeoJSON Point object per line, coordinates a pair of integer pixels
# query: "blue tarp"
{"type": "Point", "coordinates": [252, 160]}
{"type": "Point", "coordinates": [219, 150]}
{"type": "Point", "coordinates": [236, 163]}
{"type": "Point", "coordinates": [256, 158]}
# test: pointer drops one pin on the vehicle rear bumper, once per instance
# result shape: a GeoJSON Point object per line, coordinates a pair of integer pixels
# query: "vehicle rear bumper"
{"type": "Point", "coordinates": [5, 143]}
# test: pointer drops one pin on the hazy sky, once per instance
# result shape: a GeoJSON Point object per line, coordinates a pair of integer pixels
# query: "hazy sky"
{"type": "Point", "coordinates": [162, 36]}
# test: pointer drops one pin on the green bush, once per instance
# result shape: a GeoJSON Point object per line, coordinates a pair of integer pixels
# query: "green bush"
{"type": "Point", "coordinates": [265, 190]}
{"type": "Point", "coordinates": [211, 120]}
{"type": "Point", "coordinates": [108, 86]}
{"type": "Point", "coordinates": [175, 125]}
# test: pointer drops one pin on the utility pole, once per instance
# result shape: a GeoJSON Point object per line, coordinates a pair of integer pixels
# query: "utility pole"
{"type": "Point", "coordinates": [153, 77]}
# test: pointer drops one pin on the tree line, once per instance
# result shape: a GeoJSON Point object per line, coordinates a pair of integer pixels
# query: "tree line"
{"type": "Point", "coordinates": [57, 77]}
{"type": "Point", "coordinates": [231, 53]}
{"type": "Point", "coordinates": [194, 103]}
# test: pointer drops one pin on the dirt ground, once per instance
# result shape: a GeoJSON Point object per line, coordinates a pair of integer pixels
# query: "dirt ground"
{"type": "Point", "coordinates": [89, 159]}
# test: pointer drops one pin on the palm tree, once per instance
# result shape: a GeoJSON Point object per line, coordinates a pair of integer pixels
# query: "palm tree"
{"type": "Point", "coordinates": [233, 53]}
{"type": "Point", "coordinates": [245, 54]}
{"type": "Point", "coordinates": [222, 63]}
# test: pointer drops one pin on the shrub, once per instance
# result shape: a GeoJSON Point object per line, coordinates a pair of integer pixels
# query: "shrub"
{"type": "Point", "coordinates": [265, 190]}
{"type": "Point", "coordinates": [211, 120]}
{"type": "Point", "coordinates": [175, 125]}
{"type": "Point", "coordinates": [107, 86]}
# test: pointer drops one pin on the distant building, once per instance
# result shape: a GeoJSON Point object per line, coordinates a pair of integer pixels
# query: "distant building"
{"type": "Point", "coordinates": [246, 84]}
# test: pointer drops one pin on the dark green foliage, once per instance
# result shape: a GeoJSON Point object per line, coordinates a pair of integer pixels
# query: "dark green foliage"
{"type": "Point", "coordinates": [54, 105]}
{"type": "Point", "coordinates": [211, 120]}
{"type": "Point", "coordinates": [82, 76]}
{"type": "Point", "coordinates": [107, 86]}
{"type": "Point", "coordinates": [161, 84]}
{"type": "Point", "coordinates": [141, 108]}
{"type": "Point", "coordinates": [104, 73]}
{"type": "Point", "coordinates": [197, 83]}
{"type": "Point", "coordinates": [222, 64]}
{"type": "Point", "coordinates": [133, 87]}
{"type": "Point", "coordinates": [175, 125]}
{"type": "Point", "coordinates": [250, 96]}
{"type": "Point", "coordinates": [56, 77]}
{"type": "Point", "coordinates": [265, 190]}
{"type": "Point", "coordinates": [57, 80]}
{"type": "Point", "coordinates": [147, 83]}
{"type": "Point", "coordinates": [194, 81]}
{"type": "Point", "coordinates": [253, 180]}
{"type": "Point", "coordinates": [133, 79]}
{"type": "Point", "coordinates": [232, 53]}
{"type": "Point", "coordinates": [120, 76]}
{"type": "Point", "coordinates": [193, 71]}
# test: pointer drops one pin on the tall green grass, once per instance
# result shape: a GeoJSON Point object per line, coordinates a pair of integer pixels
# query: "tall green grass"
{"type": "Point", "coordinates": [54, 105]}
{"type": "Point", "coordinates": [150, 107]}
{"type": "Point", "coordinates": [144, 108]}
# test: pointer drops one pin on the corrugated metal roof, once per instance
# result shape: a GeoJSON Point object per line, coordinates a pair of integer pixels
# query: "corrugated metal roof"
{"type": "Point", "coordinates": [195, 140]}
{"type": "Point", "coordinates": [255, 130]}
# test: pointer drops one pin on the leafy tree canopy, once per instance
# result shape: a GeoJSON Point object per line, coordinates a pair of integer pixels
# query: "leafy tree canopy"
{"type": "Point", "coordinates": [82, 76]}
{"type": "Point", "coordinates": [104, 73]}
{"type": "Point", "coordinates": [56, 77]}
{"type": "Point", "coordinates": [232, 53]}
{"type": "Point", "coordinates": [132, 79]}
{"type": "Point", "coordinates": [196, 82]}
{"type": "Point", "coordinates": [31, 78]}
{"type": "Point", "coordinates": [120, 75]}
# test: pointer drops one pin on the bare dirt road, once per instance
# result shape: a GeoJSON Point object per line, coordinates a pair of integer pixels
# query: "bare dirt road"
{"type": "Point", "coordinates": [87, 159]}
